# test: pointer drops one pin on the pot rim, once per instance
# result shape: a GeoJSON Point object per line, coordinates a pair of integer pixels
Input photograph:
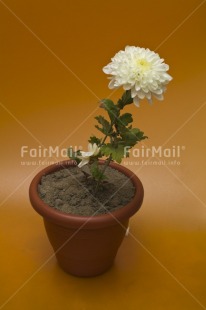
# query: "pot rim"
{"type": "Point", "coordinates": [88, 222]}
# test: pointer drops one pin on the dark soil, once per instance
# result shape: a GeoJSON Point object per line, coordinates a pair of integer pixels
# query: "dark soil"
{"type": "Point", "coordinates": [68, 190]}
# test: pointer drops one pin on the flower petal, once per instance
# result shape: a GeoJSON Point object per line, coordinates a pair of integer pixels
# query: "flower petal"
{"type": "Point", "coordinates": [83, 162]}
{"type": "Point", "coordinates": [136, 101]}
{"type": "Point", "coordinates": [140, 70]}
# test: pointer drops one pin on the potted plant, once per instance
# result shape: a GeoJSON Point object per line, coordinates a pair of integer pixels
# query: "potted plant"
{"type": "Point", "coordinates": [86, 202]}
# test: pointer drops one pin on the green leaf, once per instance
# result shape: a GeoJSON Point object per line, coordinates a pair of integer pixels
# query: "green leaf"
{"type": "Point", "coordinates": [111, 109]}
{"type": "Point", "coordinates": [139, 134]}
{"type": "Point", "coordinates": [125, 119]}
{"type": "Point", "coordinates": [126, 99]}
{"type": "Point", "coordinates": [129, 138]}
{"type": "Point", "coordinates": [117, 153]}
{"type": "Point", "coordinates": [106, 127]}
{"type": "Point", "coordinates": [135, 130]}
{"type": "Point", "coordinates": [107, 103]}
{"type": "Point", "coordinates": [94, 139]}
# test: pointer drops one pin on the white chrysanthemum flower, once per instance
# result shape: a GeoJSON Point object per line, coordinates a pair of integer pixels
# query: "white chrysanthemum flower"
{"type": "Point", "coordinates": [139, 70]}
{"type": "Point", "coordinates": [93, 150]}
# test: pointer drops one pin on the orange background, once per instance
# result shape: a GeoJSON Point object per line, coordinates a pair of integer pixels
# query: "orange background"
{"type": "Point", "coordinates": [51, 55]}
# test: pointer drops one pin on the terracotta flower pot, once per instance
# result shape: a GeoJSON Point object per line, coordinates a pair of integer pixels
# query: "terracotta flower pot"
{"type": "Point", "coordinates": [85, 245]}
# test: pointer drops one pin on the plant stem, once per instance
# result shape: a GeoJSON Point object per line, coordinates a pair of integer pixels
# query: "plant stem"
{"type": "Point", "coordinates": [104, 139]}
{"type": "Point", "coordinates": [107, 162]}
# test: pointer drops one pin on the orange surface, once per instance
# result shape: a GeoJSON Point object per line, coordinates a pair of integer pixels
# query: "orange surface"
{"type": "Point", "coordinates": [52, 54]}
